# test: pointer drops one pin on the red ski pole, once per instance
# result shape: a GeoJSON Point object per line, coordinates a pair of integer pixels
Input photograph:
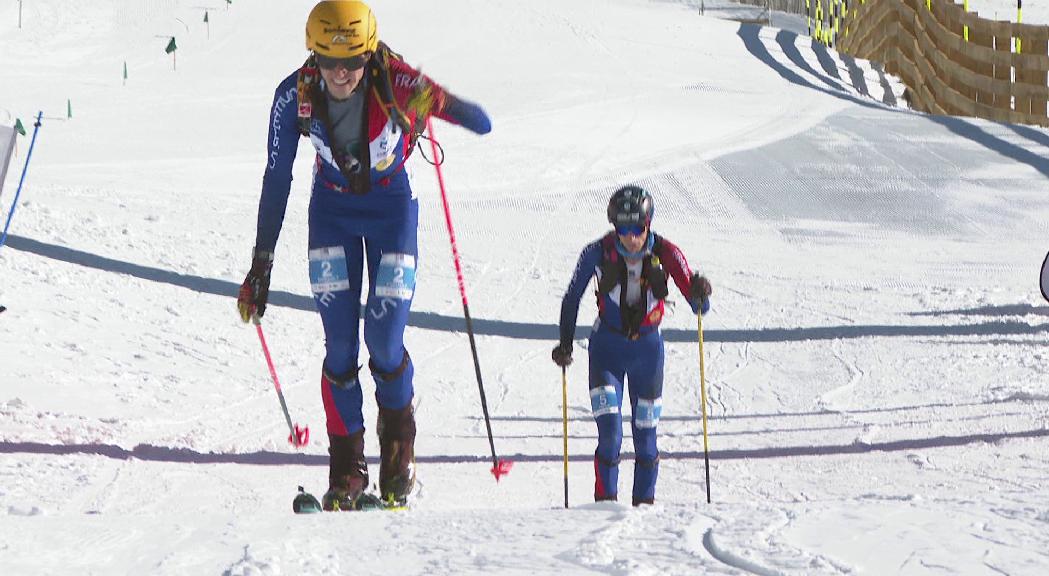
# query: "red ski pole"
{"type": "Point", "coordinates": [297, 437]}
{"type": "Point", "coordinates": [499, 467]}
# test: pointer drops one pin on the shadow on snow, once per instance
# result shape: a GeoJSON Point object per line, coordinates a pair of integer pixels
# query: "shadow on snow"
{"type": "Point", "coordinates": [1015, 398]}
{"type": "Point", "coordinates": [150, 453]}
{"type": "Point", "coordinates": [526, 330]}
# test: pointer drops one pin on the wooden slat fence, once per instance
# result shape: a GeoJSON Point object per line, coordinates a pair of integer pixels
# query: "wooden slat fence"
{"type": "Point", "coordinates": [952, 61]}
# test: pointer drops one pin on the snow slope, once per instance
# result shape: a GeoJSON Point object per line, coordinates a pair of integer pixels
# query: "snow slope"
{"type": "Point", "coordinates": [875, 354]}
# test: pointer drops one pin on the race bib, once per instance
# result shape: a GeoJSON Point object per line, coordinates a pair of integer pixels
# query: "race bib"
{"type": "Point", "coordinates": [647, 412]}
{"type": "Point", "coordinates": [603, 400]}
{"type": "Point", "coordinates": [328, 270]}
{"type": "Point", "coordinates": [396, 277]}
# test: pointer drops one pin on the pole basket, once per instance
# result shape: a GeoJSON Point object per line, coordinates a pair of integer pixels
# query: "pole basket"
{"type": "Point", "coordinates": [300, 436]}
{"type": "Point", "coordinates": [502, 468]}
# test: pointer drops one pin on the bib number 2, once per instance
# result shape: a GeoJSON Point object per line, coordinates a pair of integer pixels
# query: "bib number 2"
{"type": "Point", "coordinates": [396, 277]}
{"type": "Point", "coordinates": [328, 271]}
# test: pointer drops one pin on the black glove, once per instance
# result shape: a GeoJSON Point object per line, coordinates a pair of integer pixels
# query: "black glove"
{"type": "Point", "coordinates": [699, 291]}
{"type": "Point", "coordinates": [256, 287]}
{"type": "Point", "coordinates": [562, 354]}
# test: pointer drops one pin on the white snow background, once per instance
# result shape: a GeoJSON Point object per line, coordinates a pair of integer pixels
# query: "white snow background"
{"type": "Point", "coordinates": [876, 351]}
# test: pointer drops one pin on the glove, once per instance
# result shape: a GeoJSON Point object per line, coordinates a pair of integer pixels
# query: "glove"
{"type": "Point", "coordinates": [256, 287]}
{"type": "Point", "coordinates": [699, 291]}
{"type": "Point", "coordinates": [562, 354]}
{"type": "Point", "coordinates": [468, 115]}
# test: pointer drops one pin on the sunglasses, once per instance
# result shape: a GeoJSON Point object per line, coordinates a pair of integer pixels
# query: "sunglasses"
{"type": "Point", "coordinates": [630, 230]}
{"type": "Point", "coordinates": [350, 64]}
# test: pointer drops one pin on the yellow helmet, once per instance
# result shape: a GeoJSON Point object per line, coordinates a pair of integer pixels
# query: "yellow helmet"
{"type": "Point", "coordinates": [341, 29]}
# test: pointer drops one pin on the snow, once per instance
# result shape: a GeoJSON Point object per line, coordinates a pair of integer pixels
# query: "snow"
{"type": "Point", "coordinates": [1034, 11]}
{"type": "Point", "coordinates": [875, 355]}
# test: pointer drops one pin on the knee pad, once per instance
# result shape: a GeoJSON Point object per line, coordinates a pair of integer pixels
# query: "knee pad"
{"type": "Point", "coordinates": [394, 389]}
{"type": "Point", "coordinates": [646, 463]}
{"type": "Point", "coordinates": [605, 461]}
{"type": "Point", "coordinates": [344, 381]}
{"type": "Point", "coordinates": [393, 375]}
{"type": "Point", "coordinates": [340, 357]}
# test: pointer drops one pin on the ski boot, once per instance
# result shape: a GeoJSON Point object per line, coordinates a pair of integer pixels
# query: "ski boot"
{"type": "Point", "coordinates": [397, 454]}
{"type": "Point", "coordinates": [348, 475]}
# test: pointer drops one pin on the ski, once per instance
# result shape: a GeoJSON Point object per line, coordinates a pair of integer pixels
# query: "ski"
{"type": "Point", "coordinates": [306, 503]}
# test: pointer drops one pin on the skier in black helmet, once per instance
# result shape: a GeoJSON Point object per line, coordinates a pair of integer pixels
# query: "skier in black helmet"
{"type": "Point", "coordinates": [631, 265]}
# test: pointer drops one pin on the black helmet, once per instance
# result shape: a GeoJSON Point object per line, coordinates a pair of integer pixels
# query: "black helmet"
{"type": "Point", "coordinates": [631, 205]}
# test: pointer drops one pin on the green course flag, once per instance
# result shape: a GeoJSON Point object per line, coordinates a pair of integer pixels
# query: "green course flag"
{"type": "Point", "coordinates": [18, 126]}
{"type": "Point", "coordinates": [69, 108]}
{"type": "Point", "coordinates": [125, 71]}
{"type": "Point", "coordinates": [205, 16]}
{"type": "Point", "coordinates": [171, 46]}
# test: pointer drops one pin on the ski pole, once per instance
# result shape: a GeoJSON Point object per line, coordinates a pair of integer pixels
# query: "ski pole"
{"type": "Point", "coordinates": [297, 437]}
{"type": "Point", "coordinates": [703, 402]}
{"type": "Point", "coordinates": [499, 467]}
{"type": "Point", "coordinates": [564, 420]}
{"type": "Point", "coordinates": [21, 181]}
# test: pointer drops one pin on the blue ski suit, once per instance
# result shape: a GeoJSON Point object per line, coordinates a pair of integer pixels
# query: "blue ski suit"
{"type": "Point", "coordinates": [626, 346]}
{"type": "Point", "coordinates": [357, 217]}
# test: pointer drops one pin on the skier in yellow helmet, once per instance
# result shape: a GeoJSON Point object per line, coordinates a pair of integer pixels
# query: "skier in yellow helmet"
{"type": "Point", "coordinates": [363, 108]}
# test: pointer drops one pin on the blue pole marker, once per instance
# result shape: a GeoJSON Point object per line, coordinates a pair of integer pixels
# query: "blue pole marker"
{"type": "Point", "coordinates": [21, 181]}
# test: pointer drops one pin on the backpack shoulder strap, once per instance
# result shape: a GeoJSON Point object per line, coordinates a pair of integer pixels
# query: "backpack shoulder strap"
{"type": "Point", "coordinates": [612, 266]}
{"type": "Point", "coordinates": [652, 269]}
{"type": "Point", "coordinates": [379, 73]}
{"type": "Point", "coordinates": [309, 80]}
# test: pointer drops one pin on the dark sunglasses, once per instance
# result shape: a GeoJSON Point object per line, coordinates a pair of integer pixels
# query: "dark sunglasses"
{"type": "Point", "coordinates": [351, 64]}
{"type": "Point", "coordinates": [630, 230]}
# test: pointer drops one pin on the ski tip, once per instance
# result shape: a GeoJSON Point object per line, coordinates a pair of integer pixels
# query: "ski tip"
{"type": "Point", "coordinates": [501, 468]}
{"type": "Point", "coordinates": [305, 503]}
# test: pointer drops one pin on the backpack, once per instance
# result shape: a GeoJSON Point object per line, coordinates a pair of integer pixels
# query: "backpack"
{"type": "Point", "coordinates": [614, 273]}
{"type": "Point", "coordinates": [311, 104]}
